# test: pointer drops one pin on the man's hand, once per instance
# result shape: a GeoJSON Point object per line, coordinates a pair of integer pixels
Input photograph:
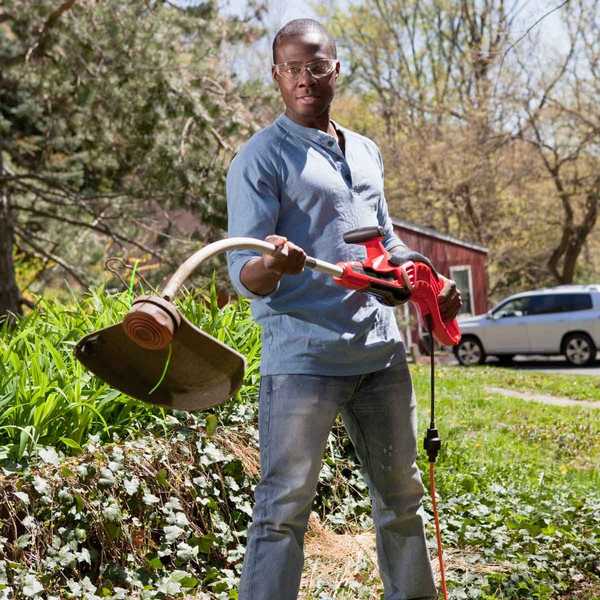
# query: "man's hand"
{"type": "Point", "coordinates": [449, 299]}
{"type": "Point", "coordinates": [400, 254]}
{"type": "Point", "coordinates": [288, 259]}
{"type": "Point", "coordinates": [262, 274]}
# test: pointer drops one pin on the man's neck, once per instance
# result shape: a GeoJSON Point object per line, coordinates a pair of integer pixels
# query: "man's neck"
{"type": "Point", "coordinates": [321, 122]}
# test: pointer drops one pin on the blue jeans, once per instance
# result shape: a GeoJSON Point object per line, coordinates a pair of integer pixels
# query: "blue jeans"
{"type": "Point", "coordinates": [296, 413]}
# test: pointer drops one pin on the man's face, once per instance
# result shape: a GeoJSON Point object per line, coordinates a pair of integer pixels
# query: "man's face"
{"type": "Point", "coordinates": [306, 98]}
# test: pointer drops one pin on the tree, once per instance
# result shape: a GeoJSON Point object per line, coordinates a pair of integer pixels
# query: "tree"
{"type": "Point", "coordinates": [561, 121]}
{"type": "Point", "coordinates": [447, 81]}
{"type": "Point", "coordinates": [112, 115]}
{"type": "Point", "coordinates": [429, 67]}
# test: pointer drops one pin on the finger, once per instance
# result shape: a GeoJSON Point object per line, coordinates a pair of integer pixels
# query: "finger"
{"type": "Point", "coordinates": [277, 240]}
{"type": "Point", "coordinates": [451, 311]}
{"type": "Point", "coordinates": [298, 260]}
{"type": "Point", "coordinates": [448, 288]}
{"type": "Point", "coordinates": [406, 279]}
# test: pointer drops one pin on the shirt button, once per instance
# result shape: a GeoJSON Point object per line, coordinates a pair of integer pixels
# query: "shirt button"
{"type": "Point", "coordinates": [330, 143]}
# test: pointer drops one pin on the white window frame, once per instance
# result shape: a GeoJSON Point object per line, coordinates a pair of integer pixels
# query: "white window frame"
{"type": "Point", "coordinates": [455, 268]}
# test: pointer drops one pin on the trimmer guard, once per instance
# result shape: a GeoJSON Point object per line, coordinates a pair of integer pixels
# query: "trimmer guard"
{"type": "Point", "coordinates": [202, 371]}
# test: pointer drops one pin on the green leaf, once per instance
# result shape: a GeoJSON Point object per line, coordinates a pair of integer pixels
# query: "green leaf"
{"type": "Point", "coordinates": [211, 425]}
{"type": "Point", "coordinates": [70, 443]}
{"type": "Point", "coordinates": [189, 582]}
{"type": "Point", "coordinates": [162, 478]}
{"type": "Point", "coordinates": [155, 563]}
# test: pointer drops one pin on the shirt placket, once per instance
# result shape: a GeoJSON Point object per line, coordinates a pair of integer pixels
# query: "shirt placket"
{"type": "Point", "coordinates": [349, 217]}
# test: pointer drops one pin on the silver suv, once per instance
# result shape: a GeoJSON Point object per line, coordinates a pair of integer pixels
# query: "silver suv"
{"type": "Point", "coordinates": [561, 320]}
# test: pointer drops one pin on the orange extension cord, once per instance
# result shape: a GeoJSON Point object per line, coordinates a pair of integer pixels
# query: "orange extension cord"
{"type": "Point", "coordinates": [432, 445]}
{"type": "Point", "coordinates": [438, 533]}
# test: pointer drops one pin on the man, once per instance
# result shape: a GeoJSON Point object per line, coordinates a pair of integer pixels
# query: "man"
{"type": "Point", "coordinates": [301, 183]}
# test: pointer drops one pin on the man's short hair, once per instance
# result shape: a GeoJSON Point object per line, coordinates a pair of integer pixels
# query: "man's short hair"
{"type": "Point", "coordinates": [299, 27]}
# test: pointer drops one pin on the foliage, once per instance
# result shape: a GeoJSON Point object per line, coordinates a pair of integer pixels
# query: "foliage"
{"type": "Point", "coordinates": [117, 123]}
{"type": "Point", "coordinates": [165, 515]}
{"type": "Point", "coordinates": [48, 398]}
{"type": "Point", "coordinates": [476, 130]}
{"type": "Point", "coordinates": [152, 518]}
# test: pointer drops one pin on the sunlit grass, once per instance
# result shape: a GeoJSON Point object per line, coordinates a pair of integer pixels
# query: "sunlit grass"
{"type": "Point", "coordinates": [512, 438]}
{"type": "Point", "coordinates": [48, 398]}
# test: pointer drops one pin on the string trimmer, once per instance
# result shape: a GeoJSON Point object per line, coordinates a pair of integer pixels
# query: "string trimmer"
{"type": "Point", "coordinates": [201, 371]}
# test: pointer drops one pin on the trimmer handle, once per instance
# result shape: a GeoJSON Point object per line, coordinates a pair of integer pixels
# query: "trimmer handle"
{"type": "Point", "coordinates": [426, 288]}
{"type": "Point", "coordinates": [364, 234]}
{"type": "Point", "coordinates": [395, 284]}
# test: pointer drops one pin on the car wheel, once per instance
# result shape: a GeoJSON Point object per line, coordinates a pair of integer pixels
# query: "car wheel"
{"type": "Point", "coordinates": [469, 351]}
{"type": "Point", "coordinates": [579, 349]}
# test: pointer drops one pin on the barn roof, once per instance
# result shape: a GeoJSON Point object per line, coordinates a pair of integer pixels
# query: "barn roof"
{"type": "Point", "coordinates": [427, 231]}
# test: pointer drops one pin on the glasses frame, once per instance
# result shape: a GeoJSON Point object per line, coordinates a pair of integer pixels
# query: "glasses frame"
{"type": "Point", "coordinates": [305, 67]}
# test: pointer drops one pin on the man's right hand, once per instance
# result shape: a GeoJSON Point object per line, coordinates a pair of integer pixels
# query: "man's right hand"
{"type": "Point", "coordinates": [288, 259]}
{"type": "Point", "coordinates": [262, 274]}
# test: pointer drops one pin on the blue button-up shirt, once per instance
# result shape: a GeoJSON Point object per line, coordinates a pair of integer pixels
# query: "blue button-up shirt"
{"type": "Point", "coordinates": [296, 182]}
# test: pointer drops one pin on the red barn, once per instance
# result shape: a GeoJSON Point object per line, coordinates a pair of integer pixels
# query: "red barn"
{"type": "Point", "coordinates": [461, 261]}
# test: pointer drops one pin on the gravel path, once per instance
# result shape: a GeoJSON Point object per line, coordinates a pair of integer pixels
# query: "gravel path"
{"type": "Point", "coordinates": [543, 398]}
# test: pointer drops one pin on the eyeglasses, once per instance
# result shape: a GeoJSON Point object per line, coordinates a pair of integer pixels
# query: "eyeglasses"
{"type": "Point", "coordinates": [317, 68]}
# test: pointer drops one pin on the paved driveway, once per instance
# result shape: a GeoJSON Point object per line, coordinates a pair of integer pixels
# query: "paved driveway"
{"type": "Point", "coordinates": [555, 364]}
{"type": "Point", "coordinates": [549, 365]}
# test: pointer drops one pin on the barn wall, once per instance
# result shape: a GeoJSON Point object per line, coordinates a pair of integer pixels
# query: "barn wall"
{"type": "Point", "coordinates": [445, 254]}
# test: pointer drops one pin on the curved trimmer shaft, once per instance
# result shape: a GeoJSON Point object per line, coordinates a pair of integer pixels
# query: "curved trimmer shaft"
{"type": "Point", "coordinates": [152, 321]}
{"type": "Point", "coordinates": [158, 356]}
{"type": "Point", "coordinates": [236, 243]}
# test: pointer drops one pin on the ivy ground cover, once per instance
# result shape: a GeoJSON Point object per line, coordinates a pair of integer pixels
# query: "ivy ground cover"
{"type": "Point", "coordinates": [103, 497]}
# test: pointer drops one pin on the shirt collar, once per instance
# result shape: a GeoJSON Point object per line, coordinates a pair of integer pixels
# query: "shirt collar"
{"type": "Point", "coordinates": [311, 134]}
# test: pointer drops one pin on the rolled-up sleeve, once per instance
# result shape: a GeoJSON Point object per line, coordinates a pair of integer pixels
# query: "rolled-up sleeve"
{"type": "Point", "coordinates": [390, 240]}
{"type": "Point", "coordinates": [252, 208]}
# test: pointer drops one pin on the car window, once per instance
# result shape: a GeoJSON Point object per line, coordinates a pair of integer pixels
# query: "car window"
{"type": "Point", "coordinates": [559, 303]}
{"type": "Point", "coordinates": [513, 308]}
{"type": "Point", "coordinates": [579, 302]}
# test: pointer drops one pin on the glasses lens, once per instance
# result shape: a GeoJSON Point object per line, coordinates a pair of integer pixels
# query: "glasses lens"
{"type": "Point", "coordinates": [291, 71]}
{"type": "Point", "coordinates": [318, 69]}
{"type": "Point", "coordinates": [321, 68]}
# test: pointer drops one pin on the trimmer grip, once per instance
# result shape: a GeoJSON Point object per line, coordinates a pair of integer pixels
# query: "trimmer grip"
{"type": "Point", "coordinates": [364, 234]}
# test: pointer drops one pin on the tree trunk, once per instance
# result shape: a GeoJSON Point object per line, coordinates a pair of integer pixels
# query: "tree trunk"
{"type": "Point", "coordinates": [579, 234]}
{"type": "Point", "coordinates": [9, 293]}
{"type": "Point", "coordinates": [574, 236]}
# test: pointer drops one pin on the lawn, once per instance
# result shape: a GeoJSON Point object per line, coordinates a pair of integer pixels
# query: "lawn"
{"type": "Point", "coordinates": [519, 481]}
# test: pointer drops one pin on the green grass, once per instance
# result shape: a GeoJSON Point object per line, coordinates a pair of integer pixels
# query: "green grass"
{"type": "Point", "coordinates": [47, 398]}
{"type": "Point", "coordinates": [528, 438]}
{"type": "Point", "coordinates": [519, 481]}
{"type": "Point", "coordinates": [576, 387]}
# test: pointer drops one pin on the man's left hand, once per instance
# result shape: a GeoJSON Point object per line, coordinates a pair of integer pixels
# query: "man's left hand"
{"type": "Point", "coordinates": [449, 299]}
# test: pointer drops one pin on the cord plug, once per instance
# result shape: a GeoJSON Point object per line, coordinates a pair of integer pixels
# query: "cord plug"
{"type": "Point", "coordinates": [432, 444]}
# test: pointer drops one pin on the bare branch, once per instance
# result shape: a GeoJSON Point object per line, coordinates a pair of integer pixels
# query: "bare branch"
{"type": "Point", "coordinates": [100, 228]}
{"type": "Point", "coordinates": [26, 238]}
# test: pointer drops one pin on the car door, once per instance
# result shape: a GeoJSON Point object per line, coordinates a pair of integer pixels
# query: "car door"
{"type": "Point", "coordinates": [506, 330]}
{"type": "Point", "coordinates": [554, 315]}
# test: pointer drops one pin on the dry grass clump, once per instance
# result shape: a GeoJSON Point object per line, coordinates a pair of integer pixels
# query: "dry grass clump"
{"type": "Point", "coordinates": [345, 564]}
